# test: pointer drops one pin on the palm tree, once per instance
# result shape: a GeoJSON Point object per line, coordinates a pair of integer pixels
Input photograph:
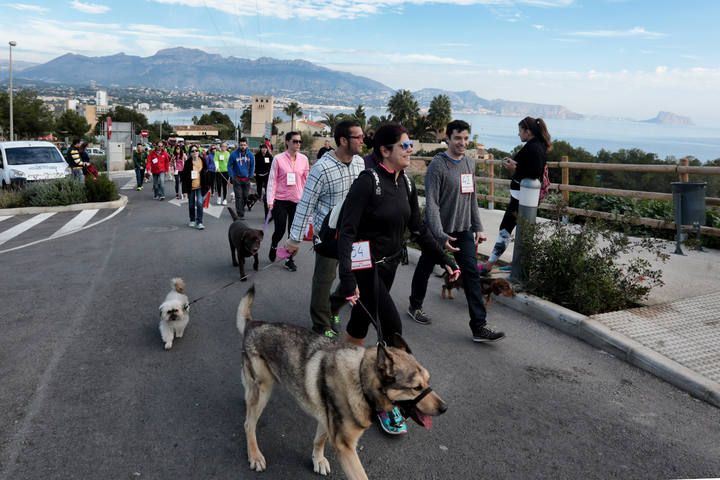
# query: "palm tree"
{"type": "Point", "coordinates": [360, 116]}
{"type": "Point", "coordinates": [275, 122]}
{"type": "Point", "coordinates": [292, 109]}
{"type": "Point", "coordinates": [331, 120]}
{"type": "Point", "coordinates": [439, 114]}
{"type": "Point", "coordinates": [374, 121]}
{"type": "Point", "coordinates": [246, 119]}
{"type": "Point", "coordinates": [403, 107]}
{"type": "Point", "coordinates": [422, 129]}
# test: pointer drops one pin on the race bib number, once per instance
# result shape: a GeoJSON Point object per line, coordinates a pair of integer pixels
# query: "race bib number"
{"type": "Point", "coordinates": [194, 175]}
{"type": "Point", "coordinates": [267, 159]}
{"type": "Point", "coordinates": [466, 183]}
{"type": "Point", "coordinates": [360, 257]}
{"type": "Point", "coordinates": [154, 160]}
{"type": "Point", "coordinates": [291, 180]}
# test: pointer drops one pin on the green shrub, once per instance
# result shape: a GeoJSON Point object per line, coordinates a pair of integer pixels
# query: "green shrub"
{"type": "Point", "coordinates": [63, 191]}
{"type": "Point", "coordinates": [10, 198]}
{"type": "Point", "coordinates": [577, 266]}
{"type": "Point", "coordinates": [100, 189]}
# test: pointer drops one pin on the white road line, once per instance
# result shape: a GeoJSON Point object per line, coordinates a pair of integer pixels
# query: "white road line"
{"type": "Point", "coordinates": [131, 184]}
{"type": "Point", "coordinates": [76, 223]}
{"type": "Point", "coordinates": [13, 232]}
{"type": "Point", "coordinates": [5, 217]}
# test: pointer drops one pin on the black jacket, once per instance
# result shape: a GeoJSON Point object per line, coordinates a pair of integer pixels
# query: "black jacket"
{"type": "Point", "coordinates": [262, 168]}
{"type": "Point", "coordinates": [383, 220]}
{"type": "Point", "coordinates": [531, 160]}
{"type": "Point", "coordinates": [187, 180]}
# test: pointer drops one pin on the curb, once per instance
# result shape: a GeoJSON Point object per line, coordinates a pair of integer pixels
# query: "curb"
{"type": "Point", "coordinates": [598, 335]}
{"type": "Point", "coordinates": [121, 202]}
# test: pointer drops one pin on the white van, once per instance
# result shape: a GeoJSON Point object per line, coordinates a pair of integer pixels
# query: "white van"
{"type": "Point", "coordinates": [94, 151]}
{"type": "Point", "coordinates": [26, 161]}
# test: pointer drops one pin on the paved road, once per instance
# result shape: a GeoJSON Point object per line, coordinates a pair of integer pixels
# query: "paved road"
{"type": "Point", "coordinates": [88, 392]}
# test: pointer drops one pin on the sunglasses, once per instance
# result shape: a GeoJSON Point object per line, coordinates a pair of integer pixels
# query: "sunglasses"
{"type": "Point", "coordinates": [299, 142]}
{"type": "Point", "coordinates": [194, 151]}
{"type": "Point", "coordinates": [406, 145]}
{"type": "Point", "coordinates": [357, 137]}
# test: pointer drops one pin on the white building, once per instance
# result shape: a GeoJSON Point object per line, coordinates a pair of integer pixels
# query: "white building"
{"type": "Point", "coordinates": [101, 98]}
{"type": "Point", "coordinates": [143, 107]}
{"type": "Point", "coordinates": [72, 104]}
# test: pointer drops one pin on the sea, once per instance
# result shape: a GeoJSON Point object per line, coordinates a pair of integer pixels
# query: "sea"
{"type": "Point", "coordinates": [592, 134]}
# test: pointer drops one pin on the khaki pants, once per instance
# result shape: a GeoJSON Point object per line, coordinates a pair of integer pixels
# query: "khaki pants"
{"type": "Point", "coordinates": [323, 278]}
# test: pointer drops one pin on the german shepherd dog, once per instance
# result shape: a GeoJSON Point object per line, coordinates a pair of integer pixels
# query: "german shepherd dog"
{"type": "Point", "coordinates": [340, 385]}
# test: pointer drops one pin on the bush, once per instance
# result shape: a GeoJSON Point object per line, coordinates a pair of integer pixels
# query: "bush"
{"type": "Point", "coordinates": [10, 198]}
{"type": "Point", "coordinates": [100, 189]}
{"type": "Point", "coordinates": [577, 266]}
{"type": "Point", "coordinates": [64, 191]}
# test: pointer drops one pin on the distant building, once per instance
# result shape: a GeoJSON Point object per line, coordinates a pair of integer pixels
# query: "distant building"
{"type": "Point", "coordinates": [101, 99]}
{"type": "Point", "coordinates": [143, 107]}
{"type": "Point", "coordinates": [196, 130]}
{"type": "Point", "coordinates": [93, 84]}
{"type": "Point", "coordinates": [72, 104]}
{"type": "Point", "coordinates": [303, 125]}
{"type": "Point", "coordinates": [262, 115]}
{"type": "Point", "coordinates": [167, 106]}
{"type": "Point", "coordinates": [90, 113]}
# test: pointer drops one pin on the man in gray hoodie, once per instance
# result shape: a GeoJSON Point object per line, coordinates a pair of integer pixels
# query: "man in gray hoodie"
{"type": "Point", "coordinates": [453, 217]}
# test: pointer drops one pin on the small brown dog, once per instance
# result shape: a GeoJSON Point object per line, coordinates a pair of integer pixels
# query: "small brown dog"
{"type": "Point", "coordinates": [488, 286]}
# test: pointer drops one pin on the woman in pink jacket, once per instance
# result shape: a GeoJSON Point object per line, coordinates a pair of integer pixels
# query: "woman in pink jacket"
{"type": "Point", "coordinates": [288, 174]}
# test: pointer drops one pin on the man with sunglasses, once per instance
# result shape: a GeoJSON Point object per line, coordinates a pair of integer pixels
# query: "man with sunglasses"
{"type": "Point", "coordinates": [328, 183]}
{"type": "Point", "coordinates": [453, 217]}
{"type": "Point", "coordinates": [288, 174]}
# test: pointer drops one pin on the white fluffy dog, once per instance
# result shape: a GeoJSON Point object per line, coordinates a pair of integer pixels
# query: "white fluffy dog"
{"type": "Point", "coordinates": [174, 313]}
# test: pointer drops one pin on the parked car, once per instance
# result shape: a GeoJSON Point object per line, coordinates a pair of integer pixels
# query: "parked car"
{"type": "Point", "coordinates": [94, 151]}
{"type": "Point", "coordinates": [27, 161]}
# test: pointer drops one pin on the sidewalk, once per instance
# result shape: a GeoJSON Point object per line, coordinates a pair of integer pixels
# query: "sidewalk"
{"type": "Point", "coordinates": [676, 336]}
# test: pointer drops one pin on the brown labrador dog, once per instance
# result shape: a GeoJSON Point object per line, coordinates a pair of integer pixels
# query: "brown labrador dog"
{"type": "Point", "coordinates": [488, 286]}
{"type": "Point", "coordinates": [246, 241]}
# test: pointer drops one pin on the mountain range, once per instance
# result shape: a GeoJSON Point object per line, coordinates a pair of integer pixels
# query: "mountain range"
{"type": "Point", "coordinates": [192, 69]}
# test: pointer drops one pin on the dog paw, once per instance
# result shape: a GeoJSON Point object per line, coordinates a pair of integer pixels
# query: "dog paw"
{"type": "Point", "coordinates": [257, 462]}
{"type": "Point", "coordinates": [321, 466]}
{"type": "Point", "coordinates": [168, 345]}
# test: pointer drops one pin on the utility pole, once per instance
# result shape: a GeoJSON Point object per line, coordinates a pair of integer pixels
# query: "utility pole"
{"type": "Point", "coordinates": [12, 44]}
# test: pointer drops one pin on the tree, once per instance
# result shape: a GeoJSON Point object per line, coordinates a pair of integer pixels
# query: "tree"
{"type": "Point", "coordinates": [31, 118]}
{"type": "Point", "coordinates": [404, 108]}
{"type": "Point", "coordinates": [154, 130]}
{"type": "Point", "coordinates": [246, 120]}
{"type": "Point", "coordinates": [439, 114]}
{"type": "Point", "coordinates": [360, 116]}
{"type": "Point", "coordinates": [71, 124]}
{"type": "Point", "coordinates": [331, 120]}
{"type": "Point", "coordinates": [423, 130]}
{"type": "Point", "coordinates": [224, 124]}
{"type": "Point", "coordinates": [292, 109]}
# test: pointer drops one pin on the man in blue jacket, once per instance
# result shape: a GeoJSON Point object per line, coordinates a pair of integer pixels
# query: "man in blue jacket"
{"type": "Point", "coordinates": [241, 168]}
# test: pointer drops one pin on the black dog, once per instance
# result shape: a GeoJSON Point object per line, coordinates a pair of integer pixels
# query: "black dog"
{"type": "Point", "coordinates": [246, 241]}
{"type": "Point", "coordinates": [252, 199]}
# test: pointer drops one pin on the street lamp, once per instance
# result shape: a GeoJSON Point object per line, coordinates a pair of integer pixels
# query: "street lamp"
{"type": "Point", "coordinates": [12, 43]}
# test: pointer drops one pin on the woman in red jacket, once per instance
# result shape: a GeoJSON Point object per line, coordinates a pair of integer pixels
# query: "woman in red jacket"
{"type": "Point", "coordinates": [158, 163]}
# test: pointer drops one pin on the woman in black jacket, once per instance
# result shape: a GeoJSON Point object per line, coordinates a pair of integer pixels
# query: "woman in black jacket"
{"type": "Point", "coordinates": [380, 206]}
{"type": "Point", "coordinates": [195, 182]}
{"type": "Point", "coordinates": [529, 162]}
{"type": "Point", "coordinates": [263, 160]}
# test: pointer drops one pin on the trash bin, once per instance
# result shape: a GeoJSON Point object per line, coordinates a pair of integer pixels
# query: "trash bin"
{"type": "Point", "coordinates": [688, 209]}
{"type": "Point", "coordinates": [689, 203]}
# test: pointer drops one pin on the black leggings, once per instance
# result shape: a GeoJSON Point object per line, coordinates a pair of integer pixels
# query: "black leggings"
{"type": "Point", "coordinates": [283, 215]}
{"type": "Point", "coordinates": [509, 220]}
{"type": "Point", "coordinates": [260, 185]}
{"type": "Point", "coordinates": [389, 318]}
{"type": "Point", "coordinates": [221, 181]}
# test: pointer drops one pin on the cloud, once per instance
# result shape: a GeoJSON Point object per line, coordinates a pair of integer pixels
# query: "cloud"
{"type": "Point", "coordinates": [341, 9]}
{"type": "Point", "coordinates": [639, 32]}
{"type": "Point", "coordinates": [92, 8]}
{"type": "Point", "coordinates": [26, 7]}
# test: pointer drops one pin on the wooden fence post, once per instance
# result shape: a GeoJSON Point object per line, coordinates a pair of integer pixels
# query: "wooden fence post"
{"type": "Point", "coordinates": [491, 186]}
{"type": "Point", "coordinates": [684, 177]}
{"type": "Point", "coordinates": [565, 179]}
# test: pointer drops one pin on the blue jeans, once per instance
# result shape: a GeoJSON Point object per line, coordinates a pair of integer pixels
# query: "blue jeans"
{"type": "Point", "coordinates": [159, 184]}
{"type": "Point", "coordinates": [195, 205]}
{"type": "Point", "coordinates": [467, 262]}
{"type": "Point", "coordinates": [139, 174]}
{"type": "Point", "coordinates": [77, 174]}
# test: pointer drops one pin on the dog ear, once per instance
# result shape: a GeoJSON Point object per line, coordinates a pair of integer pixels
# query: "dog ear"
{"type": "Point", "coordinates": [400, 343]}
{"type": "Point", "coordinates": [385, 364]}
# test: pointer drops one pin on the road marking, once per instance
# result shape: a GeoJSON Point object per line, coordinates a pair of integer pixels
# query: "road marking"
{"type": "Point", "coordinates": [13, 232]}
{"type": "Point", "coordinates": [129, 185]}
{"type": "Point", "coordinates": [5, 217]}
{"type": "Point", "coordinates": [76, 223]}
{"type": "Point", "coordinates": [212, 210]}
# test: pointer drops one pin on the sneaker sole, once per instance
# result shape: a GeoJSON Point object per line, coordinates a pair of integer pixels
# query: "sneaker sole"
{"type": "Point", "coordinates": [486, 340]}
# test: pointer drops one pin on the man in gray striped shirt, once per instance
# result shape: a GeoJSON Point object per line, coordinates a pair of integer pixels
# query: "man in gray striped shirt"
{"type": "Point", "coordinates": [328, 182]}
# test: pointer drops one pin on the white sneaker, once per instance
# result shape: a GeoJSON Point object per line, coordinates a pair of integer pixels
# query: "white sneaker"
{"type": "Point", "coordinates": [192, 224]}
{"type": "Point", "coordinates": [224, 202]}
{"type": "Point", "coordinates": [200, 226]}
{"type": "Point", "coordinates": [219, 201]}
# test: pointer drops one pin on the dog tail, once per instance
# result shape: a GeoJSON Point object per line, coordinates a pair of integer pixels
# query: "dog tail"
{"type": "Point", "coordinates": [233, 213]}
{"type": "Point", "coordinates": [178, 284]}
{"type": "Point", "coordinates": [243, 311]}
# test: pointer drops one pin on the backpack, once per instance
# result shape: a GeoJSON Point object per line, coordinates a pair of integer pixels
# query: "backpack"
{"type": "Point", "coordinates": [325, 242]}
{"type": "Point", "coordinates": [545, 187]}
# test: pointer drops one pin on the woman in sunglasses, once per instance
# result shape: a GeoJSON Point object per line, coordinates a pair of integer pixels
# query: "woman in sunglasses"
{"type": "Point", "coordinates": [380, 207]}
{"type": "Point", "coordinates": [288, 174]}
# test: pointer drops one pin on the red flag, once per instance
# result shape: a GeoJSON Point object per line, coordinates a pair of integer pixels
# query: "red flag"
{"type": "Point", "coordinates": [206, 201]}
{"type": "Point", "coordinates": [309, 233]}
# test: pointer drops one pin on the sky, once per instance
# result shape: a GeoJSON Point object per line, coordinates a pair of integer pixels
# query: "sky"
{"type": "Point", "coordinates": [620, 58]}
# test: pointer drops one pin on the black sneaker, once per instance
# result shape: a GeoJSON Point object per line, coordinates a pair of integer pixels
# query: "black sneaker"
{"type": "Point", "coordinates": [419, 316]}
{"type": "Point", "coordinates": [290, 265]}
{"type": "Point", "coordinates": [273, 254]}
{"type": "Point", "coordinates": [485, 334]}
